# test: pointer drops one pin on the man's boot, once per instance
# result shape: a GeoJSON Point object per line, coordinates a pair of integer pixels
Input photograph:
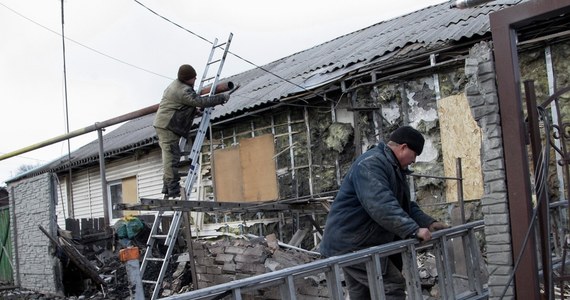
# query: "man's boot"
{"type": "Point", "coordinates": [164, 187]}
{"type": "Point", "coordinates": [174, 189]}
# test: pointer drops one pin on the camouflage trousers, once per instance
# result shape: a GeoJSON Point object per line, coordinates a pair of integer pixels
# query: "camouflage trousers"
{"type": "Point", "coordinates": [169, 143]}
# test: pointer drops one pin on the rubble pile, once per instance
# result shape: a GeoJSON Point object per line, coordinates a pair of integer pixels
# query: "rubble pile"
{"type": "Point", "coordinates": [228, 259]}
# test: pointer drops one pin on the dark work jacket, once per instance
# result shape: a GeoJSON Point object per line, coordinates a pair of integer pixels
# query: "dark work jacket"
{"type": "Point", "coordinates": [372, 207]}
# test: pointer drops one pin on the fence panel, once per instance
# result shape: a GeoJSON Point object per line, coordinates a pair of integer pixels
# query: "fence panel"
{"type": "Point", "coordinates": [5, 246]}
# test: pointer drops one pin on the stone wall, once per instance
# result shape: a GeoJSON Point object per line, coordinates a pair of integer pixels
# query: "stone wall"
{"type": "Point", "coordinates": [32, 204]}
{"type": "Point", "coordinates": [482, 95]}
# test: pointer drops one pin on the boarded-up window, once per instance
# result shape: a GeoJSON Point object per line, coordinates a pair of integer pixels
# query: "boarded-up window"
{"type": "Point", "coordinates": [246, 173]}
{"type": "Point", "coordinates": [460, 138]}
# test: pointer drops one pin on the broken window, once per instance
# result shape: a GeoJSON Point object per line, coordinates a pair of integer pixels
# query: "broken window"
{"type": "Point", "coordinates": [122, 191]}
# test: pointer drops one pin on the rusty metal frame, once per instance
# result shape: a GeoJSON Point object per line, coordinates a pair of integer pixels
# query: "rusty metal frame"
{"type": "Point", "coordinates": [504, 25]}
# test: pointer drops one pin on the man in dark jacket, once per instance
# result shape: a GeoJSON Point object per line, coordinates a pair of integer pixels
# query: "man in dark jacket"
{"type": "Point", "coordinates": [373, 207]}
{"type": "Point", "coordinates": [174, 119]}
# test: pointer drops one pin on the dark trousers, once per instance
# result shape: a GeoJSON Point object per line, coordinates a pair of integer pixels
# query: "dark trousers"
{"type": "Point", "coordinates": [357, 282]}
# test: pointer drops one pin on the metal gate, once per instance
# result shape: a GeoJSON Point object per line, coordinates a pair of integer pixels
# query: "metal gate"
{"type": "Point", "coordinates": [5, 247]}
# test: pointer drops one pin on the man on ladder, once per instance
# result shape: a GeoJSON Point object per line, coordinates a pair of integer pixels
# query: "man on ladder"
{"type": "Point", "coordinates": [174, 119]}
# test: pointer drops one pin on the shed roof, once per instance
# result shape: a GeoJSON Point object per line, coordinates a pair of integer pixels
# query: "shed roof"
{"type": "Point", "coordinates": [422, 31]}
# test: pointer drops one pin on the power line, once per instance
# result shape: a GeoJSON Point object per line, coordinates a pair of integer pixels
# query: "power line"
{"type": "Point", "coordinates": [154, 73]}
{"type": "Point", "coordinates": [30, 158]}
{"type": "Point", "coordinates": [83, 45]}
{"type": "Point", "coordinates": [236, 55]}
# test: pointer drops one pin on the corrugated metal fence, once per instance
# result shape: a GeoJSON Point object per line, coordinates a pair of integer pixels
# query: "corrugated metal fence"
{"type": "Point", "coordinates": [5, 246]}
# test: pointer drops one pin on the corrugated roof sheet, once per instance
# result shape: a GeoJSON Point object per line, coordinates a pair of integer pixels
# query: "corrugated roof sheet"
{"type": "Point", "coordinates": [426, 28]}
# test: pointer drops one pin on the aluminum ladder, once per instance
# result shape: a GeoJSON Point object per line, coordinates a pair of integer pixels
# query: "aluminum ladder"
{"type": "Point", "coordinates": [194, 169]}
{"type": "Point", "coordinates": [284, 280]}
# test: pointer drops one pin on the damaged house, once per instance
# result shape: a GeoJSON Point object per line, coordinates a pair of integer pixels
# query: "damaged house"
{"type": "Point", "coordinates": [292, 128]}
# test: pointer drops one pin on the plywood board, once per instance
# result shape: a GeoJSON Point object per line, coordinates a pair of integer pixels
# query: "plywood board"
{"type": "Point", "coordinates": [460, 137]}
{"type": "Point", "coordinates": [129, 190]}
{"type": "Point", "coordinates": [228, 175]}
{"type": "Point", "coordinates": [258, 168]}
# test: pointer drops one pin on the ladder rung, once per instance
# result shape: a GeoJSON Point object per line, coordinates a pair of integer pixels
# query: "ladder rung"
{"type": "Point", "coordinates": [154, 259]}
{"type": "Point", "coordinates": [210, 78]}
{"type": "Point", "coordinates": [159, 236]}
{"type": "Point", "coordinates": [213, 62]}
{"type": "Point", "coordinates": [220, 45]}
{"type": "Point", "coordinates": [149, 281]}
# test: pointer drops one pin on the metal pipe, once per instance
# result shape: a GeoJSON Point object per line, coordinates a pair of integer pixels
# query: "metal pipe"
{"type": "Point", "coordinates": [139, 113]}
{"type": "Point", "coordinates": [106, 212]}
{"type": "Point", "coordinates": [460, 189]}
{"type": "Point", "coordinates": [220, 88]}
{"type": "Point", "coordinates": [467, 3]}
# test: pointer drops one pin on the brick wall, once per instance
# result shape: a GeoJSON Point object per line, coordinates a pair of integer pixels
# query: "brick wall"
{"type": "Point", "coordinates": [32, 203]}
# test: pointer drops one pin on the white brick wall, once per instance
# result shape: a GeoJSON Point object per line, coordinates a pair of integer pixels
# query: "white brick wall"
{"type": "Point", "coordinates": [32, 204]}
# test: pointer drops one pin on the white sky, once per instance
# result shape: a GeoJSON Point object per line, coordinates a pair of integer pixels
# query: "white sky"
{"type": "Point", "coordinates": [129, 55]}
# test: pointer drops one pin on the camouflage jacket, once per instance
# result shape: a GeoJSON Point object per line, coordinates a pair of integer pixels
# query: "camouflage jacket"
{"type": "Point", "coordinates": [178, 105]}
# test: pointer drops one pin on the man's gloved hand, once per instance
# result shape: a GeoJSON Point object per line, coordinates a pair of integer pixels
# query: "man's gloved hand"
{"type": "Point", "coordinates": [435, 226]}
{"type": "Point", "coordinates": [226, 97]}
{"type": "Point", "coordinates": [423, 234]}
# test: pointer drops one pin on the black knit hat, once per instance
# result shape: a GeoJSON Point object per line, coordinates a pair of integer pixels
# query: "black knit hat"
{"type": "Point", "coordinates": [410, 136]}
{"type": "Point", "coordinates": [186, 72]}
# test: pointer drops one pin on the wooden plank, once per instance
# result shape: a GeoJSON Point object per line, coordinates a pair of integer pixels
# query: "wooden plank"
{"type": "Point", "coordinates": [79, 260]}
{"type": "Point", "coordinates": [460, 137]}
{"type": "Point", "coordinates": [258, 168]}
{"type": "Point", "coordinates": [227, 175]}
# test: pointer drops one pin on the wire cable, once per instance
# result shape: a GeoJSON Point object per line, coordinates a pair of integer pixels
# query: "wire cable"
{"type": "Point", "coordinates": [85, 46]}
{"type": "Point", "coordinates": [234, 54]}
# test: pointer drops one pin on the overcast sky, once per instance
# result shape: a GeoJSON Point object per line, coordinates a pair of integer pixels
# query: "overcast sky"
{"type": "Point", "coordinates": [119, 56]}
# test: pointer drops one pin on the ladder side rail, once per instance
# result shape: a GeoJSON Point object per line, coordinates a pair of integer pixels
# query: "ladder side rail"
{"type": "Point", "coordinates": [375, 280]}
{"type": "Point", "coordinates": [443, 277]}
{"type": "Point", "coordinates": [183, 140]}
{"type": "Point", "coordinates": [221, 65]}
{"type": "Point", "coordinates": [334, 283]}
{"type": "Point", "coordinates": [200, 134]}
{"type": "Point", "coordinates": [410, 270]}
{"type": "Point", "coordinates": [236, 294]}
{"type": "Point", "coordinates": [207, 67]}
{"type": "Point", "coordinates": [205, 122]}
{"type": "Point", "coordinates": [173, 229]}
{"type": "Point", "coordinates": [163, 269]}
{"type": "Point", "coordinates": [447, 267]}
{"type": "Point", "coordinates": [150, 241]}
{"type": "Point", "coordinates": [288, 288]}
{"type": "Point", "coordinates": [471, 248]}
